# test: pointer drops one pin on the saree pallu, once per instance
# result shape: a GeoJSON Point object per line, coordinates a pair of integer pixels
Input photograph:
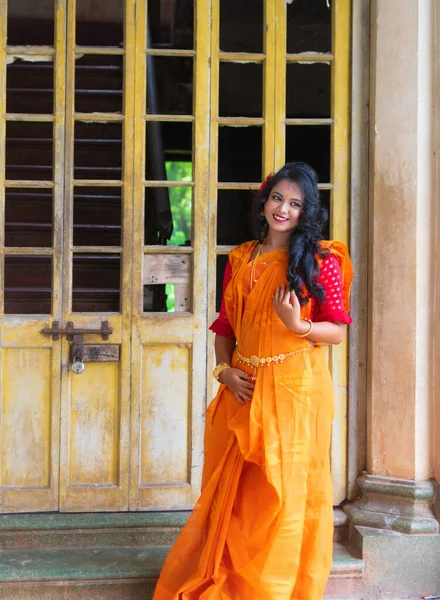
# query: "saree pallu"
{"type": "Point", "coordinates": [263, 525]}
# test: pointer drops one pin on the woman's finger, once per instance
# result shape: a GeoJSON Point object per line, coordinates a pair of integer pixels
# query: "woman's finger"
{"type": "Point", "coordinates": [246, 377]}
{"type": "Point", "coordinates": [247, 385]}
{"type": "Point", "coordinates": [286, 296]}
{"type": "Point", "coordinates": [237, 397]}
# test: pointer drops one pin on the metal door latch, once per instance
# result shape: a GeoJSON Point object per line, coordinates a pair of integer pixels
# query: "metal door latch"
{"type": "Point", "coordinates": [77, 337]}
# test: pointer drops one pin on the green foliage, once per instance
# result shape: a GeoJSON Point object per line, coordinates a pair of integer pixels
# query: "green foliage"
{"type": "Point", "coordinates": [181, 202]}
{"type": "Point", "coordinates": [169, 291]}
{"type": "Point", "coordinates": [181, 210]}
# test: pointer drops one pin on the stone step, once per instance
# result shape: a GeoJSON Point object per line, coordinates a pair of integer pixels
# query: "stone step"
{"type": "Point", "coordinates": [105, 530]}
{"type": "Point", "coordinates": [91, 530]}
{"type": "Point", "coordinates": [120, 573]}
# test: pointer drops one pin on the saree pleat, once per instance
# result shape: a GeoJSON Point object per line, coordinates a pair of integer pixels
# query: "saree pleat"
{"type": "Point", "coordinates": [262, 528]}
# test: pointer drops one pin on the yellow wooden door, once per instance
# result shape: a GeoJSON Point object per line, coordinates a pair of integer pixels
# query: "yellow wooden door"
{"type": "Point", "coordinates": [97, 253]}
{"type": "Point", "coordinates": [67, 190]}
{"type": "Point", "coordinates": [169, 347]}
{"type": "Point", "coordinates": [290, 64]}
{"type": "Point", "coordinates": [32, 188]}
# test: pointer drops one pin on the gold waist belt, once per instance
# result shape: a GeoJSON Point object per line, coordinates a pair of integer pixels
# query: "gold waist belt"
{"type": "Point", "coordinates": [256, 361]}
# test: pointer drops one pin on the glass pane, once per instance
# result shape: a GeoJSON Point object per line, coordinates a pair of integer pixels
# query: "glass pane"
{"type": "Point", "coordinates": [98, 151]}
{"type": "Point", "coordinates": [29, 151]}
{"type": "Point", "coordinates": [241, 26]}
{"type": "Point", "coordinates": [308, 90]}
{"type": "Point", "coordinates": [167, 142]}
{"type": "Point", "coordinates": [241, 90]}
{"type": "Point", "coordinates": [325, 201]}
{"type": "Point", "coordinates": [311, 144]}
{"type": "Point", "coordinates": [168, 216]}
{"type": "Point", "coordinates": [167, 283]}
{"type": "Point", "coordinates": [96, 282]}
{"type": "Point", "coordinates": [170, 85]}
{"type": "Point", "coordinates": [28, 285]}
{"type": "Point", "coordinates": [98, 84]}
{"type": "Point", "coordinates": [96, 216]}
{"type": "Point", "coordinates": [309, 26]}
{"type": "Point", "coordinates": [100, 23]}
{"type": "Point", "coordinates": [29, 87]}
{"type": "Point", "coordinates": [28, 217]}
{"type": "Point", "coordinates": [240, 152]}
{"type": "Point", "coordinates": [171, 24]}
{"type": "Point", "coordinates": [222, 260]}
{"type": "Point", "coordinates": [235, 219]}
{"type": "Point", "coordinates": [30, 23]}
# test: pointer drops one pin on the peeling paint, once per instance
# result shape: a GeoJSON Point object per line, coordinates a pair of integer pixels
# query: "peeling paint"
{"type": "Point", "coordinates": [31, 58]}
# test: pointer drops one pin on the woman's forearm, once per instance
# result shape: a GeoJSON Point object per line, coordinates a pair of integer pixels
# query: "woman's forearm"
{"type": "Point", "coordinates": [324, 332]}
{"type": "Point", "coordinates": [224, 347]}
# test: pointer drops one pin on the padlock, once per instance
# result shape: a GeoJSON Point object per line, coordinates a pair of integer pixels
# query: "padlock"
{"type": "Point", "coordinates": [77, 365]}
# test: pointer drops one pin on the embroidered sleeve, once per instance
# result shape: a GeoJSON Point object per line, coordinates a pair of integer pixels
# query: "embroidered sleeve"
{"type": "Point", "coordinates": [221, 325]}
{"type": "Point", "coordinates": [333, 308]}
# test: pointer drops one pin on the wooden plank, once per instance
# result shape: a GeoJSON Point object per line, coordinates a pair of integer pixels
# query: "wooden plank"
{"type": "Point", "coordinates": [308, 121]}
{"type": "Point", "coordinates": [182, 297]}
{"type": "Point", "coordinates": [169, 52]}
{"type": "Point", "coordinates": [10, 183]}
{"type": "Point", "coordinates": [159, 183]}
{"type": "Point", "coordinates": [309, 57]}
{"type": "Point", "coordinates": [98, 117]}
{"type": "Point", "coordinates": [242, 57]}
{"type": "Point", "coordinates": [166, 268]}
{"type": "Point", "coordinates": [240, 121]}
{"type": "Point", "coordinates": [171, 118]}
{"type": "Point", "coordinates": [37, 118]}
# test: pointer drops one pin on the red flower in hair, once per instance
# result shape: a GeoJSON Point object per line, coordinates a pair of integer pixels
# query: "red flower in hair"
{"type": "Point", "coordinates": [263, 185]}
{"type": "Point", "coordinates": [266, 182]}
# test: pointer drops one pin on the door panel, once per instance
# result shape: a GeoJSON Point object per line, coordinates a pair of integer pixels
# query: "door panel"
{"type": "Point", "coordinates": [31, 207]}
{"type": "Point", "coordinates": [305, 117]}
{"type": "Point", "coordinates": [169, 271]}
{"type": "Point", "coordinates": [97, 254]}
{"type": "Point", "coordinates": [165, 415]}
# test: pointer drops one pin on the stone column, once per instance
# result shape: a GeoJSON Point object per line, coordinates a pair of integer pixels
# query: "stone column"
{"type": "Point", "coordinates": [398, 488]}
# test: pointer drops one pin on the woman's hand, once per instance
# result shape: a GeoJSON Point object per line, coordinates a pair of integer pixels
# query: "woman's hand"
{"type": "Point", "coordinates": [288, 308]}
{"type": "Point", "coordinates": [240, 383]}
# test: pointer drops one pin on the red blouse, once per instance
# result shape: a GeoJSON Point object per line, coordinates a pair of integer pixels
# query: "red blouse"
{"type": "Point", "coordinates": [330, 277]}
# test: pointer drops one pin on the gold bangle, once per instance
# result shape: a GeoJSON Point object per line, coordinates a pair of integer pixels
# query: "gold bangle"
{"type": "Point", "coordinates": [308, 332]}
{"type": "Point", "coordinates": [218, 369]}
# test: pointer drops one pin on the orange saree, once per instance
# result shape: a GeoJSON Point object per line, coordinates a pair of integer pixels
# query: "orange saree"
{"type": "Point", "coordinates": [263, 525]}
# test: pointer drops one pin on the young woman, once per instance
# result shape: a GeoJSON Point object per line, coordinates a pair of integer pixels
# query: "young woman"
{"type": "Point", "coordinates": [263, 526]}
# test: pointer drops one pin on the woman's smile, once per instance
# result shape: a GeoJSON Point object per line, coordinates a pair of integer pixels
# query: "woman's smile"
{"type": "Point", "coordinates": [280, 219]}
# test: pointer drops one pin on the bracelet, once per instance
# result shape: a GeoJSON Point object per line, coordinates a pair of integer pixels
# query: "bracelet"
{"type": "Point", "coordinates": [308, 332]}
{"type": "Point", "coordinates": [218, 369]}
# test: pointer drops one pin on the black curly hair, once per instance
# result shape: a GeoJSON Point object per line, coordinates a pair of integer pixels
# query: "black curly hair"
{"type": "Point", "coordinates": [303, 268]}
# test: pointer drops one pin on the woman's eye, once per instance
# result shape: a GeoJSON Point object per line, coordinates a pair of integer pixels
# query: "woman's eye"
{"type": "Point", "coordinates": [277, 198]}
